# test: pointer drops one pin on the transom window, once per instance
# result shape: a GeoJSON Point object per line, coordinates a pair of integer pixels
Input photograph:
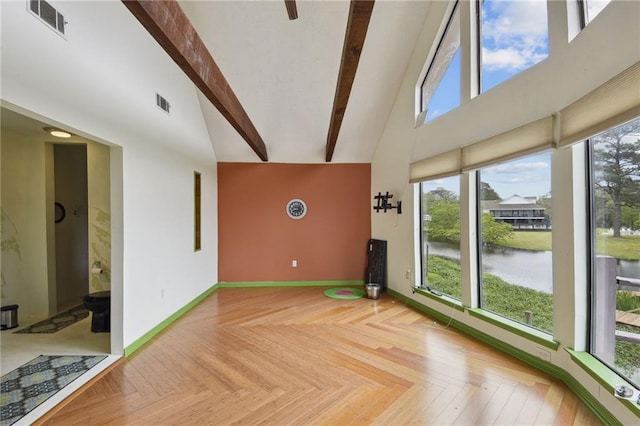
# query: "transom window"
{"type": "Point", "coordinates": [591, 8]}
{"type": "Point", "coordinates": [441, 88]}
{"type": "Point", "coordinates": [514, 36]}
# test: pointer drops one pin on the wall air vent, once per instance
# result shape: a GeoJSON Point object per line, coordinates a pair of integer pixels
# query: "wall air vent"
{"type": "Point", "coordinates": [48, 14]}
{"type": "Point", "coordinates": [163, 103]}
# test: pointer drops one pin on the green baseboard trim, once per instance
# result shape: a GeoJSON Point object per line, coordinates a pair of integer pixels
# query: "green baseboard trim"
{"type": "Point", "coordinates": [607, 378]}
{"type": "Point", "coordinates": [433, 313]}
{"type": "Point", "coordinates": [576, 387]}
{"type": "Point", "coordinates": [444, 299]}
{"type": "Point", "coordinates": [290, 283]}
{"type": "Point", "coordinates": [540, 337]}
{"type": "Point", "coordinates": [164, 324]}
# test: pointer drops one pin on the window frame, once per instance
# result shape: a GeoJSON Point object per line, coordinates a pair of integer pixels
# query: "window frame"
{"type": "Point", "coordinates": [455, 9]}
{"type": "Point", "coordinates": [590, 234]}
{"type": "Point", "coordinates": [424, 287]}
{"type": "Point", "coordinates": [516, 324]}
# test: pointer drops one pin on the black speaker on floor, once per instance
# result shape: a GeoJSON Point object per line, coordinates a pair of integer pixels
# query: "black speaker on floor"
{"type": "Point", "coordinates": [377, 263]}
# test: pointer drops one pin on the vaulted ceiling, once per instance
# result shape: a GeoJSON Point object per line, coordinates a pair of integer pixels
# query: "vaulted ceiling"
{"type": "Point", "coordinates": [283, 73]}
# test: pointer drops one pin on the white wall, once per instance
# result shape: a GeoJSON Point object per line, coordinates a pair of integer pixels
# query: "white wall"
{"type": "Point", "coordinates": [100, 83]}
{"type": "Point", "coordinates": [24, 247]}
{"type": "Point", "coordinates": [99, 215]}
{"type": "Point", "coordinates": [572, 70]}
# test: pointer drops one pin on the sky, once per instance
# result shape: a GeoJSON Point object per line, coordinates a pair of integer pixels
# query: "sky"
{"type": "Point", "coordinates": [514, 37]}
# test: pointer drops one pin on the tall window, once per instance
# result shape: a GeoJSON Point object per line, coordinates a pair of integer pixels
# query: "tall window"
{"type": "Point", "coordinates": [615, 234]}
{"type": "Point", "coordinates": [441, 236]}
{"type": "Point", "coordinates": [516, 221]}
{"type": "Point", "coordinates": [514, 36]}
{"type": "Point", "coordinates": [441, 87]}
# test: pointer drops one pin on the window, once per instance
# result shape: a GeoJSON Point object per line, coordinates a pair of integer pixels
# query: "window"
{"type": "Point", "coordinates": [197, 215]}
{"type": "Point", "coordinates": [515, 219]}
{"type": "Point", "coordinates": [615, 236]}
{"type": "Point", "coordinates": [514, 36]}
{"type": "Point", "coordinates": [441, 87]}
{"type": "Point", "coordinates": [441, 236]}
{"type": "Point", "coordinates": [591, 8]}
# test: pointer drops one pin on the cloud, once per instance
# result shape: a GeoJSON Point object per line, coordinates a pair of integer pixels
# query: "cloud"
{"type": "Point", "coordinates": [522, 179]}
{"type": "Point", "coordinates": [514, 34]}
{"type": "Point", "coordinates": [509, 59]}
{"type": "Point", "coordinates": [513, 168]}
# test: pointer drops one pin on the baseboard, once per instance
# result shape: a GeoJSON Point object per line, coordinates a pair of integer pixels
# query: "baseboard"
{"type": "Point", "coordinates": [576, 387]}
{"type": "Point", "coordinates": [291, 283]}
{"type": "Point", "coordinates": [164, 324]}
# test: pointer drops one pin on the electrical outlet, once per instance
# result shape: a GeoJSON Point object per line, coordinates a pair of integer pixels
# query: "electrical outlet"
{"type": "Point", "coordinates": [407, 275]}
{"type": "Point", "coordinates": [543, 354]}
{"type": "Point", "coordinates": [294, 263]}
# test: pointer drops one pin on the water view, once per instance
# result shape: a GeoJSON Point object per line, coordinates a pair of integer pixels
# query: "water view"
{"type": "Point", "coordinates": [527, 268]}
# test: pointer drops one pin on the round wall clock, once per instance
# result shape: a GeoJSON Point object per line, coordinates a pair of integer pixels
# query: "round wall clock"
{"type": "Point", "coordinates": [60, 212]}
{"type": "Point", "coordinates": [296, 209]}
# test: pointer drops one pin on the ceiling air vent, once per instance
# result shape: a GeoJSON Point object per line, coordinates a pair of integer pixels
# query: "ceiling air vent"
{"type": "Point", "coordinates": [48, 14]}
{"type": "Point", "coordinates": [163, 103]}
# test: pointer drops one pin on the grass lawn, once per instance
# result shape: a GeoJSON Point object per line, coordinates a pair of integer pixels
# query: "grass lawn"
{"type": "Point", "coordinates": [627, 248]}
{"type": "Point", "coordinates": [539, 240]}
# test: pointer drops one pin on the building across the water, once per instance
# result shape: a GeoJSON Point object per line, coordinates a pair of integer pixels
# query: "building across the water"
{"type": "Point", "coordinates": [519, 212]}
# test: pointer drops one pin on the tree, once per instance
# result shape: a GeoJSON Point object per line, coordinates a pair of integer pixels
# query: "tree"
{"type": "Point", "coordinates": [495, 232]}
{"type": "Point", "coordinates": [616, 155]}
{"type": "Point", "coordinates": [443, 208]}
{"type": "Point", "coordinates": [629, 217]}
{"type": "Point", "coordinates": [445, 222]}
{"type": "Point", "coordinates": [441, 194]}
{"type": "Point", "coordinates": [487, 192]}
{"type": "Point", "coordinates": [545, 201]}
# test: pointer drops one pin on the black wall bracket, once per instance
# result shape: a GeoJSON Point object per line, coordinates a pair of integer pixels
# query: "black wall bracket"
{"type": "Point", "coordinates": [382, 203]}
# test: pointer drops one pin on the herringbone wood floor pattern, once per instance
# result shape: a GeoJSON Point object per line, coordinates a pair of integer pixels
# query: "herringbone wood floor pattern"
{"type": "Point", "coordinates": [292, 356]}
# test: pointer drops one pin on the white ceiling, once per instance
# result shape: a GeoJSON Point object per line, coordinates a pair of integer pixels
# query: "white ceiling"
{"type": "Point", "coordinates": [283, 72]}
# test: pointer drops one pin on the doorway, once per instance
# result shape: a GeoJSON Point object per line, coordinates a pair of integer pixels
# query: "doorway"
{"type": "Point", "coordinates": [71, 224]}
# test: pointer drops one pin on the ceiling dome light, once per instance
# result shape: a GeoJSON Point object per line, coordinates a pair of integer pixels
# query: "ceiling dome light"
{"type": "Point", "coordinates": [57, 132]}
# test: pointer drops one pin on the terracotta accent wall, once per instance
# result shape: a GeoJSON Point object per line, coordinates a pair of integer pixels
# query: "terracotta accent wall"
{"type": "Point", "coordinates": [257, 240]}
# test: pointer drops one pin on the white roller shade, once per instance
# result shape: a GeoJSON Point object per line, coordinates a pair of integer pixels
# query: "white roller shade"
{"type": "Point", "coordinates": [442, 165]}
{"type": "Point", "coordinates": [615, 102]}
{"type": "Point", "coordinates": [528, 139]}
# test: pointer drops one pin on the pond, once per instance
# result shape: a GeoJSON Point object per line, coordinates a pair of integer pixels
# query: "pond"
{"type": "Point", "coordinates": [522, 267]}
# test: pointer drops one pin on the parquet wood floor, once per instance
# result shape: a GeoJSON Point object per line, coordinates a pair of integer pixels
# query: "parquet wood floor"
{"type": "Point", "coordinates": [290, 356]}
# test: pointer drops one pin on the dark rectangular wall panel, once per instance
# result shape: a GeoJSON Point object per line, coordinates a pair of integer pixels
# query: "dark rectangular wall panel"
{"type": "Point", "coordinates": [377, 263]}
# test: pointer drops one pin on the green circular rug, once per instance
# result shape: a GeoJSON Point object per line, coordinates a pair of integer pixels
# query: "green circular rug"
{"type": "Point", "coordinates": [344, 293]}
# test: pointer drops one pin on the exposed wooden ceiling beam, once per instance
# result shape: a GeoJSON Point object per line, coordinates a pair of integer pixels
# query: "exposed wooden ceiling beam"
{"type": "Point", "coordinates": [292, 10]}
{"type": "Point", "coordinates": [170, 27]}
{"type": "Point", "coordinates": [357, 25]}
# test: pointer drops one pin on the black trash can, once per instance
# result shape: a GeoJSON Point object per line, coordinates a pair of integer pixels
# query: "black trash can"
{"type": "Point", "coordinates": [8, 317]}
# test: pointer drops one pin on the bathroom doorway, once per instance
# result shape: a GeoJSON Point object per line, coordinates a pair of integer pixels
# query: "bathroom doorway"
{"type": "Point", "coordinates": [71, 224]}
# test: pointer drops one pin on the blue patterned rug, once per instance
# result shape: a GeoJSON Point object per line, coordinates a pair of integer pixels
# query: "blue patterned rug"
{"type": "Point", "coordinates": [31, 384]}
{"type": "Point", "coordinates": [57, 322]}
